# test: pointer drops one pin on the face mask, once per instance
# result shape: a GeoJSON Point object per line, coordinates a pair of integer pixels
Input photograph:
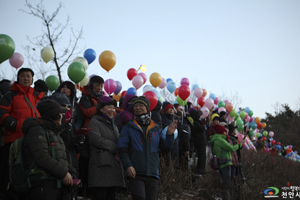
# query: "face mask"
{"type": "Point", "coordinates": [68, 116]}
{"type": "Point", "coordinates": [143, 119]}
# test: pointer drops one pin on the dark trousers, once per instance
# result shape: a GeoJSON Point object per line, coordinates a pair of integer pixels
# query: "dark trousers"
{"type": "Point", "coordinates": [46, 190]}
{"type": "Point", "coordinates": [143, 187]}
{"type": "Point", "coordinates": [103, 193]}
{"type": "Point", "coordinates": [201, 151]}
{"type": "Point", "coordinates": [4, 173]}
{"type": "Point", "coordinates": [226, 181]}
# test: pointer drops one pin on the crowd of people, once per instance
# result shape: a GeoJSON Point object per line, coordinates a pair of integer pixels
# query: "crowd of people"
{"type": "Point", "coordinates": [104, 143]}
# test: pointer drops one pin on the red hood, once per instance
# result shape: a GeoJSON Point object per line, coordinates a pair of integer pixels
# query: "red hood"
{"type": "Point", "coordinates": [86, 90]}
{"type": "Point", "coordinates": [21, 89]}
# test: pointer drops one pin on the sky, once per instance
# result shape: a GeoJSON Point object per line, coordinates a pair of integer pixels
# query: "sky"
{"type": "Point", "coordinates": [250, 48]}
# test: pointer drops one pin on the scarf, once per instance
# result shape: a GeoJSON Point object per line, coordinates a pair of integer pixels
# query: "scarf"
{"type": "Point", "coordinates": [96, 95]}
{"type": "Point", "coordinates": [143, 119]}
{"type": "Point", "coordinates": [107, 117]}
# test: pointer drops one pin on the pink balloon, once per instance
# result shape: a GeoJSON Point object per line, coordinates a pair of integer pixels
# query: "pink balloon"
{"type": "Point", "coordinates": [226, 101]}
{"type": "Point", "coordinates": [247, 118]}
{"type": "Point", "coordinates": [105, 94]}
{"type": "Point", "coordinates": [251, 119]}
{"type": "Point", "coordinates": [216, 101]}
{"type": "Point", "coordinates": [163, 83]}
{"type": "Point", "coordinates": [205, 112]}
{"type": "Point", "coordinates": [16, 60]}
{"type": "Point", "coordinates": [271, 133]}
{"type": "Point", "coordinates": [110, 86]}
{"type": "Point", "coordinates": [185, 81]}
{"type": "Point", "coordinates": [209, 103]}
{"type": "Point", "coordinates": [221, 109]}
{"type": "Point", "coordinates": [137, 81]}
{"type": "Point", "coordinates": [143, 75]}
{"type": "Point", "coordinates": [198, 92]}
{"type": "Point", "coordinates": [229, 118]}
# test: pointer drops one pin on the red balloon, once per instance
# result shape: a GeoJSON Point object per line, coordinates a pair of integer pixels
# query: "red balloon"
{"type": "Point", "coordinates": [273, 142]}
{"type": "Point", "coordinates": [152, 97]}
{"type": "Point", "coordinates": [131, 73]}
{"type": "Point", "coordinates": [184, 92]}
{"type": "Point", "coordinates": [123, 94]}
{"type": "Point", "coordinates": [201, 101]}
{"type": "Point", "coordinates": [259, 125]}
{"type": "Point", "coordinates": [264, 138]}
{"type": "Point", "coordinates": [278, 143]}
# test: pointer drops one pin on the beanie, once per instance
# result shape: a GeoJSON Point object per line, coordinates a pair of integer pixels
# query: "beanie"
{"type": "Point", "coordinates": [49, 107]}
{"type": "Point", "coordinates": [40, 86]}
{"type": "Point", "coordinates": [219, 129]}
{"type": "Point", "coordinates": [166, 106]}
{"type": "Point", "coordinates": [143, 100]}
{"type": "Point", "coordinates": [106, 101]}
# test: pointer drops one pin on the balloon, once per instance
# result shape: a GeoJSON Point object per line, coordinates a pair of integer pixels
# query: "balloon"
{"type": "Point", "coordinates": [257, 120]}
{"type": "Point", "coordinates": [16, 60]}
{"type": "Point", "coordinates": [278, 143]}
{"type": "Point", "coordinates": [264, 138]}
{"type": "Point", "coordinates": [251, 133]}
{"type": "Point", "coordinates": [143, 68]}
{"type": "Point", "coordinates": [195, 86]}
{"type": "Point", "coordinates": [84, 81]}
{"type": "Point", "coordinates": [82, 60]}
{"type": "Point", "coordinates": [155, 79]}
{"type": "Point", "coordinates": [89, 55]}
{"type": "Point", "coordinates": [176, 92]}
{"type": "Point", "coordinates": [273, 142]}
{"type": "Point", "coordinates": [152, 97]}
{"type": "Point", "coordinates": [254, 126]}
{"type": "Point", "coordinates": [221, 104]}
{"type": "Point", "coordinates": [171, 86]}
{"type": "Point", "coordinates": [233, 113]}
{"type": "Point", "coordinates": [181, 101]}
{"type": "Point", "coordinates": [184, 92]}
{"type": "Point", "coordinates": [76, 72]}
{"type": "Point", "coordinates": [226, 101]}
{"type": "Point", "coordinates": [131, 90]}
{"type": "Point", "coordinates": [243, 114]}
{"type": "Point", "coordinates": [107, 60]}
{"type": "Point", "coordinates": [117, 97]}
{"type": "Point", "coordinates": [185, 81]}
{"type": "Point", "coordinates": [229, 118]}
{"type": "Point", "coordinates": [239, 123]}
{"type": "Point", "coordinates": [201, 101]}
{"type": "Point", "coordinates": [47, 54]}
{"type": "Point", "coordinates": [259, 125]}
{"type": "Point", "coordinates": [209, 103]}
{"type": "Point", "coordinates": [263, 125]}
{"type": "Point", "coordinates": [247, 109]}
{"type": "Point", "coordinates": [157, 93]}
{"type": "Point", "coordinates": [52, 82]}
{"type": "Point", "coordinates": [250, 113]}
{"type": "Point", "coordinates": [221, 109]}
{"type": "Point", "coordinates": [257, 135]}
{"type": "Point", "coordinates": [143, 75]}
{"type": "Point", "coordinates": [216, 101]}
{"type": "Point", "coordinates": [212, 96]}
{"type": "Point", "coordinates": [168, 79]}
{"type": "Point", "coordinates": [271, 134]}
{"type": "Point", "coordinates": [148, 88]}
{"type": "Point", "coordinates": [251, 119]}
{"type": "Point", "coordinates": [163, 83]}
{"type": "Point", "coordinates": [105, 94]}
{"type": "Point", "coordinates": [198, 92]}
{"type": "Point", "coordinates": [240, 128]}
{"type": "Point", "coordinates": [205, 112]}
{"type": "Point", "coordinates": [137, 81]}
{"type": "Point", "coordinates": [118, 87]}
{"type": "Point", "coordinates": [123, 94]}
{"type": "Point", "coordinates": [110, 86]}
{"type": "Point", "coordinates": [265, 133]}
{"type": "Point", "coordinates": [7, 47]}
{"type": "Point", "coordinates": [204, 92]}
{"type": "Point", "coordinates": [229, 106]}
{"type": "Point", "coordinates": [131, 73]}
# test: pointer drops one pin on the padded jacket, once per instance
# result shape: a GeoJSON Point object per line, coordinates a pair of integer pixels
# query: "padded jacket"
{"type": "Point", "coordinates": [87, 106]}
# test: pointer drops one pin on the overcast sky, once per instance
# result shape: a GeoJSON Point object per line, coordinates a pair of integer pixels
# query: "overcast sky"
{"type": "Point", "coordinates": [249, 47]}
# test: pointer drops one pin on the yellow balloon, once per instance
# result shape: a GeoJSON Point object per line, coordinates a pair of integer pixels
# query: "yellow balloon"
{"type": "Point", "coordinates": [143, 68]}
{"type": "Point", "coordinates": [155, 79]}
{"type": "Point", "coordinates": [82, 60]}
{"type": "Point", "coordinates": [117, 97]}
{"type": "Point", "coordinates": [47, 54]}
{"type": "Point", "coordinates": [85, 80]}
{"type": "Point", "coordinates": [107, 60]}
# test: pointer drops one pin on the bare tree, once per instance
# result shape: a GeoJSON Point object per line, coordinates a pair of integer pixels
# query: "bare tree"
{"type": "Point", "coordinates": [234, 98]}
{"type": "Point", "coordinates": [167, 96]}
{"type": "Point", "coordinates": [51, 37]}
{"type": "Point", "coordinates": [277, 107]}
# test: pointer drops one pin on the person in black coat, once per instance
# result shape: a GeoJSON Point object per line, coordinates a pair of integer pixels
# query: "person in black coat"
{"type": "Point", "coordinates": [155, 114]}
{"type": "Point", "coordinates": [200, 140]}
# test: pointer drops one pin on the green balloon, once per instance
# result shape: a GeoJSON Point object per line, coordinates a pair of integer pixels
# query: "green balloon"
{"type": "Point", "coordinates": [180, 101]}
{"type": "Point", "coordinates": [243, 114]}
{"type": "Point", "coordinates": [52, 82]}
{"type": "Point", "coordinates": [239, 123]}
{"type": "Point", "coordinates": [236, 116]}
{"type": "Point", "coordinates": [76, 72]}
{"type": "Point", "coordinates": [251, 133]}
{"type": "Point", "coordinates": [284, 148]}
{"type": "Point", "coordinates": [265, 133]}
{"type": "Point", "coordinates": [279, 154]}
{"type": "Point", "coordinates": [257, 135]}
{"type": "Point", "coordinates": [7, 47]}
{"type": "Point", "coordinates": [238, 119]}
{"type": "Point", "coordinates": [233, 113]}
{"type": "Point", "coordinates": [240, 128]}
{"type": "Point", "coordinates": [250, 113]}
{"type": "Point", "coordinates": [221, 104]}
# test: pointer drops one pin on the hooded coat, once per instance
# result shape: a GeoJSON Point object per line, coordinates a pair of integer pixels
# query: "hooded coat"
{"type": "Point", "coordinates": [127, 114]}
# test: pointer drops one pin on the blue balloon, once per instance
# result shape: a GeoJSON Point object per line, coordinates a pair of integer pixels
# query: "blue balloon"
{"type": "Point", "coordinates": [254, 126]}
{"type": "Point", "coordinates": [131, 90]}
{"type": "Point", "coordinates": [195, 86]}
{"type": "Point", "coordinates": [157, 93]}
{"type": "Point", "coordinates": [278, 147]}
{"type": "Point", "coordinates": [171, 86]}
{"type": "Point", "coordinates": [212, 96]}
{"type": "Point", "coordinates": [247, 110]}
{"type": "Point", "coordinates": [169, 80]}
{"type": "Point", "coordinates": [89, 55]}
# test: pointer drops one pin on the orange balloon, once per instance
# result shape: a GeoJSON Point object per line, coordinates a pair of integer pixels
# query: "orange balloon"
{"type": "Point", "coordinates": [107, 60]}
{"type": "Point", "coordinates": [204, 92]}
{"type": "Point", "coordinates": [176, 92]}
{"type": "Point", "coordinates": [257, 120]}
{"type": "Point", "coordinates": [263, 125]}
{"type": "Point", "coordinates": [155, 79]}
{"type": "Point", "coordinates": [229, 107]}
{"type": "Point", "coordinates": [117, 97]}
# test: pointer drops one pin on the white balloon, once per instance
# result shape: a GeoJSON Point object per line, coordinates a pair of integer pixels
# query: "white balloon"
{"type": "Point", "coordinates": [85, 80]}
{"type": "Point", "coordinates": [47, 54]}
{"type": "Point", "coordinates": [82, 60]}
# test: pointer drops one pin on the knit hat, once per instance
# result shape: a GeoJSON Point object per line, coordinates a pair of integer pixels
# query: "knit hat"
{"type": "Point", "coordinates": [61, 98]}
{"type": "Point", "coordinates": [214, 116]}
{"type": "Point", "coordinates": [106, 101]}
{"type": "Point", "coordinates": [219, 129]}
{"type": "Point", "coordinates": [143, 100]}
{"type": "Point", "coordinates": [224, 124]}
{"type": "Point", "coordinates": [231, 128]}
{"type": "Point", "coordinates": [40, 86]}
{"type": "Point", "coordinates": [24, 70]}
{"type": "Point", "coordinates": [49, 107]}
{"type": "Point", "coordinates": [166, 106]}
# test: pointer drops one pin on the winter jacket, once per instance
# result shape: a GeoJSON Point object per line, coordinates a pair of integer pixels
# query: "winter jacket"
{"type": "Point", "coordinates": [155, 115]}
{"type": "Point", "coordinates": [141, 150]}
{"type": "Point", "coordinates": [127, 114]}
{"type": "Point", "coordinates": [198, 130]}
{"type": "Point", "coordinates": [167, 119]}
{"type": "Point", "coordinates": [104, 170]}
{"type": "Point", "coordinates": [117, 118]}
{"type": "Point", "coordinates": [87, 106]}
{"type": "Point", "coordinates": [220, 145]}
{"type": "Point", "coordinates": [14, 109]}
{"type": "Point", "coordinates": [38, 148]}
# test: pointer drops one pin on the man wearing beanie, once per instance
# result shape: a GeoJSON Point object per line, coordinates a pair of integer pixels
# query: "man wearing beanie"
{"type": "Point", "coordinates": [40, 86]}
{"type": "Point", "coordinates": [141, 137]}
{"type": "Point", "coordinates": [223, 150]}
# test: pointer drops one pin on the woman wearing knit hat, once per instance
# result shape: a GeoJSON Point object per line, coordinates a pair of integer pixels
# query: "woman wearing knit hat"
{"type": "Point", "coordinates": [223, 150]}
{"type": "Point", "coordinates": [139, 150]}
{"type": "Point", "coordinates": [105, 169]}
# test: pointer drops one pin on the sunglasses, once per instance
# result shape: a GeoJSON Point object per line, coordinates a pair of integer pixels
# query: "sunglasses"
{"type": "Point", "coordinates": [66, 105]}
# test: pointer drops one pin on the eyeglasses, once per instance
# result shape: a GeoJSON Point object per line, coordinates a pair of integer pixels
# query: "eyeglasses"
{"type": "Point", "coordinates": [66, 105]}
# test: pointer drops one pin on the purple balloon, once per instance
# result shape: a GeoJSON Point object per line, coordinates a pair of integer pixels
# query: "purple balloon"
{"type": "Point", "coordinates": [118, 88]}
{"type": "Point", "coordinates": [185, 81]}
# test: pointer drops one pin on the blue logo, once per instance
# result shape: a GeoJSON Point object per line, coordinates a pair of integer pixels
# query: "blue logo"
{"type": "Point", "coordinates": [271, 192]}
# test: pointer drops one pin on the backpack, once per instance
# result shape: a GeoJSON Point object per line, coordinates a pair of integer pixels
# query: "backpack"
{"type": "Point", "coordinates": [215, 162]}
{"type": "Point", "coordinates": [20, 178]}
